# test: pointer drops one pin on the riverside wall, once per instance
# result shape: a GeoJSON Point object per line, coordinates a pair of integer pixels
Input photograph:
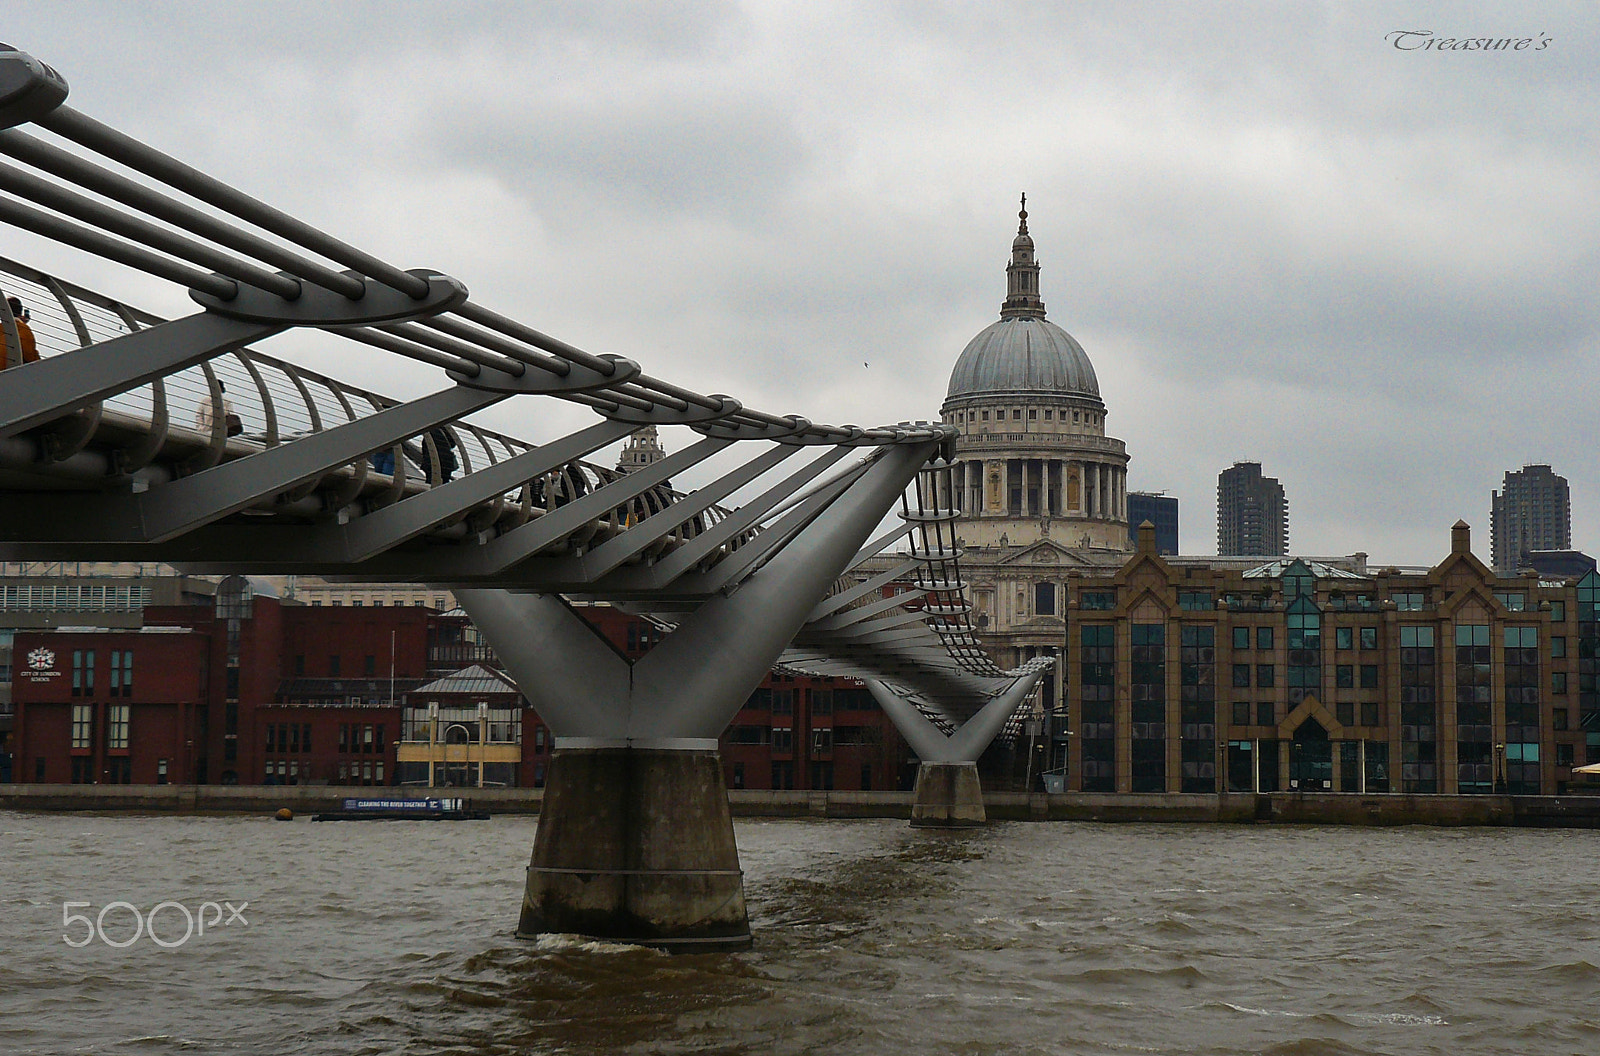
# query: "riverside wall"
{"type": "Point", "coordinates": [1243, 808]}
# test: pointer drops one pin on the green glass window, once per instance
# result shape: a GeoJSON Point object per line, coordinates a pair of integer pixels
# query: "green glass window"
{"type": "Point", "coordinates": [1298, 581]}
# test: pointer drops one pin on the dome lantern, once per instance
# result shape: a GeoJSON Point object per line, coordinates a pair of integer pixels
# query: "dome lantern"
{"type": "Point", "coordinates": [1023, 354]}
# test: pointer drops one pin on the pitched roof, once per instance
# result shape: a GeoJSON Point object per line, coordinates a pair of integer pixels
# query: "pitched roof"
{"type": "Point", "coordinates": [474, 679]}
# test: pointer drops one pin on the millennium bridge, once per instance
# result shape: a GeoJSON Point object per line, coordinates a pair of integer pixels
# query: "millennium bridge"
{"type": "Point", "coordinates": [138, 438]}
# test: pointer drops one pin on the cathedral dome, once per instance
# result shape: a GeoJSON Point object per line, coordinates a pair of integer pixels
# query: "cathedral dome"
{"type": "Point", "coordinates": [1022, 354]}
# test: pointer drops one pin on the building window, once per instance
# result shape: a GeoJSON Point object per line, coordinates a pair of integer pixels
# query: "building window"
{"type": "Point", "coordinates": [1148, 771]}
{"type": "Point", "coordinates": [1049, 415]}
{"type": "Point", "coordinates": [1265, 676]}
{"type": "Point", "coordinates": [1558, 648]}
{"type": "Point", "coordinates": [1559, 718]}
{"type": "Point", "coordinates": [1514, 602]}
{"type": "Point", "coordinates": [1305, 648]}
{"type": "Point", "coordinates": [1558, 611]}
{"type": "Point", "coordinates": [83, 672]}
{"type": "Point", "coordinates": [1044, 599]}
{"type": "Point", "coordinates": [1241, 639]}
{"type": "Point", "coordinates": [82, 725]}
{"type": "Point", "coordinates": [1100, 600]}
{"type": "Point", "coordinates": [1344, 638]}
{"type": "Point", "coordinates": [1241, 675]}
{"type": "Point", "coordinates": [1266, 713]}
{"type": "Point", "coordinates": [117, 726]}
{"type": "Point", "coordinates": [1369, 676]}
{"type": "Point", "coordinates": [1241, 713]}
{"type": "Point", "coordinates": [1407, 601]}
{"type": "Point", "coordinates": [1016, 414]}
{"type": "Point", "coordinates": [1344, 676]}
{"type": "Point", "coordinates": [333, 667]}
{"type": "Point", "coordinates": [1263, 637]}
{"type": "Point", "coordinates": [1195, 600]}
{"type": "Point", "coordinates": [1369, 713]}
{"type": "Point", "coordinates": [1522, 683]}
{"type": "Point", "coordinates": [371, 664]}
{"type": "Point", "coordinates": [1558, 683]}
{"type": "Point", "coordinates": [1369, 637]}
{"type": "Point", "coordinates": [121, 673]}
{"type": "Point", "coordinates": [1197, 708]}
{"type": "Point", "coordinates": [1096, 719]}
{"type": "Point", "coordinates": [1033, 415]}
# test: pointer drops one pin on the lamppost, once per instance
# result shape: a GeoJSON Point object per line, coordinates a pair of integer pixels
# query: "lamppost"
{"type": "Point", "coordinates": [1500, 769]}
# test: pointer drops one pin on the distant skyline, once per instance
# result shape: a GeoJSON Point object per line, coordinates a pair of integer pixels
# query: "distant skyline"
{"type": "Point", "coordinates": [1278, 236]}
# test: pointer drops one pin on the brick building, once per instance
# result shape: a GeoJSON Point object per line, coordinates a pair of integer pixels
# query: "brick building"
{"type": "Point", "coordinates": [247, 688]}
{"type": "Point", "coordinates": [244, 690]}
{"type": "Point", "coordinates": [1300, 676]}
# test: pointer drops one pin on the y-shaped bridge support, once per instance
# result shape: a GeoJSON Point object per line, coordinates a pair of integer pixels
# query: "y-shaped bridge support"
{"type": "Point", "coordinates": [635, 841]}
{"type": "Point", "coordinates": [948, 794]}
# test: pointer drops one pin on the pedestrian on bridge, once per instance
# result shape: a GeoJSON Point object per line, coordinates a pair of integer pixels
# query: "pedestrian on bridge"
{"type": "Point", "coordinates": [29, 350]}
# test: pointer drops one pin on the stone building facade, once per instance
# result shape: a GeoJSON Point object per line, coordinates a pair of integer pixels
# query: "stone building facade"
{"type": "Point", "coordinates": [1300, 676]}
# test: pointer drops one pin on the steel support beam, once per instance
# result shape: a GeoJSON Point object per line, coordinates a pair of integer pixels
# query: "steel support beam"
{"type": "Point", "coordinates": [169, 510]}
{"type": "Point", "coordinates": [50, 388]}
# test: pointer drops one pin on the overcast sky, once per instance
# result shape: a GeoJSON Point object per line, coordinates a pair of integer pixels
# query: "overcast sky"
{"type": "Point", "coordinates": [1278, 235]}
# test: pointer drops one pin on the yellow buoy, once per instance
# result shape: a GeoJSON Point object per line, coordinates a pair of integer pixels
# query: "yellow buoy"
{"type": "Point", "coordinates": [285, 814]}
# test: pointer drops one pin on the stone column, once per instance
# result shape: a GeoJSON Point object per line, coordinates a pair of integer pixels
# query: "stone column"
{"type": "Point", "coordinates": [1023, 466]}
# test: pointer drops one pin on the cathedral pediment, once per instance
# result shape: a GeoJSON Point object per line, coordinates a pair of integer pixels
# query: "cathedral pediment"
{"type": "Point", "coordinates": [1045, 554]}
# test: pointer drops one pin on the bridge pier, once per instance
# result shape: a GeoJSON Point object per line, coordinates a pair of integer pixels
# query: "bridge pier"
{"type": "Point", "coordinates": [948, 794]}
{"type": "Point", "coordinates": [636, 845]}
{"type": "Point", "coordinates": [636, 842]}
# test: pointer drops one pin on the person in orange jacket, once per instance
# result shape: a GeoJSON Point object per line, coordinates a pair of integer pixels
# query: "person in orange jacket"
{"type": "Point", "coordinates": [30, 350]}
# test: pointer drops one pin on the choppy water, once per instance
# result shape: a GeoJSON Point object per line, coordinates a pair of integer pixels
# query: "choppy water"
{"type": "Point", "coordinates": [870, 938]}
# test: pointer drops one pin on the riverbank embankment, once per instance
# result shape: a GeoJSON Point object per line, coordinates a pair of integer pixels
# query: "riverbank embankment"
{"type": "Point", "coordinates": [1234, 808]}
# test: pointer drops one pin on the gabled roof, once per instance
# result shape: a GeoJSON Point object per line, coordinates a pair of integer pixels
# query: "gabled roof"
{"type": "Point", "coordinates": [1320, 569]}
{"type": "Point", "coordinates": [474, 679]}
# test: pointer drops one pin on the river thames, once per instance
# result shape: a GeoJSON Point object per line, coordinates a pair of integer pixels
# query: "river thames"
{"type": "Point", "coordinates": [870, 938]}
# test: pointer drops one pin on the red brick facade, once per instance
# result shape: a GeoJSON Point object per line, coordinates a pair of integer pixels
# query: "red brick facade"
{"type": "Point", "coordinates": [252, 691]}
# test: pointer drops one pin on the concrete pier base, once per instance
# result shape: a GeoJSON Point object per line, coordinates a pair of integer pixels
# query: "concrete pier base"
{"type": "Point", "coordinates": [947, 796]}
{"type": "Point", "coordinates": [636, 845]}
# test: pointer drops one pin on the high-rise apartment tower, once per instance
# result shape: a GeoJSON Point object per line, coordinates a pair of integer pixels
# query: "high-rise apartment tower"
{"type": "Point", "coordinates": [1252, 513]}
{"type": "Point", "coordinates": [1532, 511]}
